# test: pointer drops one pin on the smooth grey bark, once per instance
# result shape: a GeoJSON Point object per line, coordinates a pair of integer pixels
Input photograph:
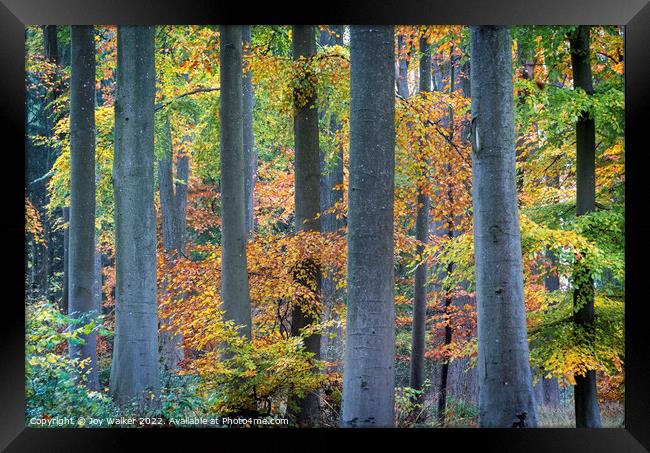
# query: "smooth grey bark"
{"type": "Point", "coordinates": [402, 70]}
{"type": "Point", "coordinates": [462, 382]}
{"type": "Point", "coordinates": [234, 275]}
{"type": "Point", "coordinates": [173, 195]}
{"type": "Point", "coordinates": [551, 395]}
{"type": "Point", "coordinates": [50, 43]}
{"type": "Point", "coordinates": [525, 57]}
{"type": "Point", "coordinates": [42, 163]}
{"type": "Point", "coordinates": [135, 367]}
{"type": "Point", "coordinates": [585, 391]}
{"type": "Point", "coordinates": [307, 201]}
{"type": "Point", "coordinates": [55, 236]}
{"type": "Point", "coordinates": [330, 195]}
{"type": "Point", "coordinates": [180, 202]}
{"type": "Point", "coordinates": [547, 391]}
{"type": "Point", "coordinates": [97, 292]}
{"type": "Point", "coordinates": [172, 209]}
{"type": "Point", "coordinates": [444, 372]}
{"type": "Point", "coordinates": [505, 382]}
{"type": "Point", "coordinates": [438, 76]}
{"type": "Point", "coordinates": [97, 289]}
{"type": "Point", "coordinates": [66, 258]}
{"type": "Point", "coordinates": [369, 364]}
{"type": "Point", "coordinates": [51, 51]}
{"type": "Point", "coordinates": [250, 155]}
{"type": "Point", "coordinates": [30, 257]}
{"type": "Point", "coordinates": [81, 242]}
{"type": "Point", "coordinates": [451, 232]}
{"type": "Point", "coordinates": [465, 84]}
{"type": "Point", "coordinates": [440, 228]}
{"type": "Point", "coordinates": [166, 189]}
{"type": "Point", "coordinates": [422, 235]}
{"type": "Point", "coordinates": [34, 170]}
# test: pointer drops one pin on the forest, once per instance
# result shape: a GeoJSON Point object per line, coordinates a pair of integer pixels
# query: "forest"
{"type": "Point", "coordinates": [324, 226]}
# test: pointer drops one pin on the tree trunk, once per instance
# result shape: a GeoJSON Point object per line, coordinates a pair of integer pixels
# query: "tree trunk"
{"type": "Point", "coordinates": [97, 288]}
{"type": "Point", "coordinates": [66, 256]}
{"type": "Point", "coordinates": [50, 44]}
{"type": "Point", "coordinates": [172, 207]}
{"type": "Point", "coordinates": [369, 366]}
{"type": "Point", "coordinates": [438, 76]}
{"type": "Point", "coordinates": [82, 197]}
{"type": "Point", "coordinates": [307, 200]}
{"type": "Point", "coordinates": [402, 70]}
{"type": "Point", "coordinates": [503, 358]}
{"type": "Point", "coordinates": [586, 398]}
{"type": "Point", "coordinates": [547, 392]}
{"type": "Point", "coordinates": [330, 195]}
{"type": "Point", "coordinates": [422, 235]}
{"type": "Point", "coordinates": [234, 275]}
{"type": "Point", "coordinates": [444, 373]}
{"type": "Point", "coordinates": [44, 160]}
{"type": "Point", "coordinates": [549, 389]}
{"type": "Point", "coordinates": [44, 271]}
{"type": "Point", "coordinates": [463, 380]}
{"type": "Point", "coordinates": [55, 238]}
{"type": "Point", "coordinates": [166, 189]}
{"type": "Point", "coordinates": [33, 249]}
{"type": "Point", "coordinates": [180, 202]}
{"type": "Point", "coordinates": [526, 58]}
{"type": "Point", "coordinates": [250, 155]}
{"type": "Point", "coordinates": [135, 368]}
{"type": "Point", "coordinates": [439, 229]}
{"type": "Point", "coordinates": [551, 393]}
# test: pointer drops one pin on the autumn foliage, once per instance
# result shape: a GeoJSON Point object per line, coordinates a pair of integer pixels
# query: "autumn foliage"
{"type": "Point", "coordinates": [433, 157]}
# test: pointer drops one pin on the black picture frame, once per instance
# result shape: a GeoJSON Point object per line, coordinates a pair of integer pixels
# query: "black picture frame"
{"type": "Point", "coordinates": [634, 14]}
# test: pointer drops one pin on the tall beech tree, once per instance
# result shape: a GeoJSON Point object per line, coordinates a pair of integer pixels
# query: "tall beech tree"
{"type": "Point", "coordinates": [449, 231]}
{"type": "Point", "coordinates": [505, 381]}
{"type": "Point", "coordinates": [331, 193]}
{"type": "Point", "coordinates": [81, 240]}
{"type": "Point", "coordinates": [173, 204]}
{"type": "Point", "coordinates": [234, 276]}
{"type": "Point", "coordinates": [586, 398]}
{"type": "Point", "coordinates": [66, 258]}
{"type": "Point", "coordinates": [51, 53]}
{"type": "Point", "coordinates": [422, 235]}
{"type": "Point", "coordinates": [307, 197]}
{"type": "Point", "coordinates": [39, 164]}
{"type": "Point", "coordinates": [134, 368]}
{"type": "Point", "coordinates": [402, 69]}
{"type": "Point", "coordinates": [369, 364]}
{"type": "Point", "coordinates": [462, 380]}
{"type": "Point", "coordinates": [250, 155]}
{"type": "Point", "coordinates": [547, 390]}
{"type": "Point", "coordinates": [173, 195]}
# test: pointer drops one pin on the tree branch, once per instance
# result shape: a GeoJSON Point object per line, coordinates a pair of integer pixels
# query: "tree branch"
{"type": "Point", "coordinates": [162, 105]}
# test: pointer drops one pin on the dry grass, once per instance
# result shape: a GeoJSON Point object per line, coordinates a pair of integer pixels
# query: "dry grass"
{"type": "Point", "coordinates": [612, 416]}
{"type": "Point", "coordinates": [461, 414]}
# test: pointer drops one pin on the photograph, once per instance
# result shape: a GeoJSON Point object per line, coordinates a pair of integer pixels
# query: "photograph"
{"type": "Point", "coordinates": [325, 226]}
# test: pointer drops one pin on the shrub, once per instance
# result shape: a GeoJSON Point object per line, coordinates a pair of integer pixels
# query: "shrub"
{"type": "Point", "coordinates": [53, 385]}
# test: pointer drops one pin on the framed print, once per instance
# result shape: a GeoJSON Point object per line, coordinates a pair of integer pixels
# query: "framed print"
{"type": "Point", "coordinates": [281, 229]}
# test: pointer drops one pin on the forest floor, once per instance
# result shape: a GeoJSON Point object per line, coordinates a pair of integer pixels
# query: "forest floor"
{"type": "Point", "coordinates": [612, 416]}
{"type": "Point", "coordinates": [461, 414]}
